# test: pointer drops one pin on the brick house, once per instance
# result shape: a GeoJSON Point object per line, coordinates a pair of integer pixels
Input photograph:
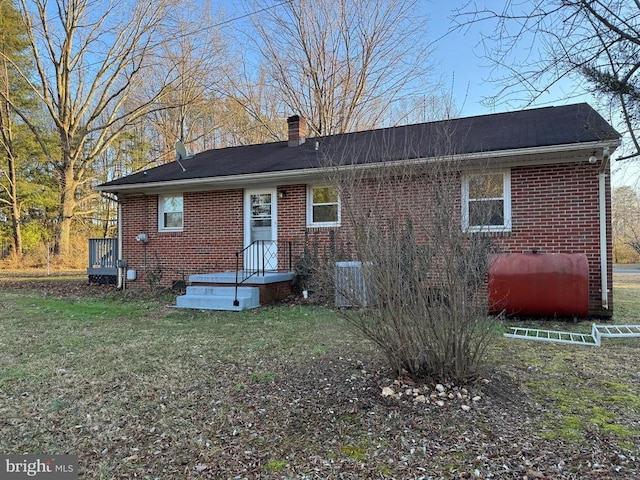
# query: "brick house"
{"type": "Point", "coordinates": [550, 165]}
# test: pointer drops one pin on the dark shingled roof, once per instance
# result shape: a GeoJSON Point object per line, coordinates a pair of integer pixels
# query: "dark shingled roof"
{"type": "Point", "coordinates": [541, 127]}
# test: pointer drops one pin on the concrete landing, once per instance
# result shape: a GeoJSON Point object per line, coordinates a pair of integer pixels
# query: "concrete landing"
{"type": "Point", "coordinates": [243, 276]}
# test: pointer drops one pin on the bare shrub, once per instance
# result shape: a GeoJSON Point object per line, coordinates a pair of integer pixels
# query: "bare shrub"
{"type": "Point", "coordinates": [425, 298]}
{"type": "Point", "coordinates": [314, 268]}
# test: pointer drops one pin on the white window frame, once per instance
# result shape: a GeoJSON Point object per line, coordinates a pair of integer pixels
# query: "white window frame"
{"type": "Point", "coordinates": [310, 205]}
{"type": "Point", "coordinates": [506, 198]}
{"type": "Point", "coordinates": [161, 212]}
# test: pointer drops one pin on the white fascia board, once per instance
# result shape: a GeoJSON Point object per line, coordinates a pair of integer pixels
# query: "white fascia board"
{"type": "Point", "coordinates": [500, 158]}
{"type": "Point", "coordinates": [218, 183]}
{"type": "Point", "coordinates": [556, 154]}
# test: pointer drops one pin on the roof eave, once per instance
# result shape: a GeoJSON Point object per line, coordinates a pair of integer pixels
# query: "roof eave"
{"type": "Point", "coordinates": [511, 157]}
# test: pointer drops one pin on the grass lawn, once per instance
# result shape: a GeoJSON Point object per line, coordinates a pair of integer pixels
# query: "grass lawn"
{"type": "Point", "coordinates": [140, 390]}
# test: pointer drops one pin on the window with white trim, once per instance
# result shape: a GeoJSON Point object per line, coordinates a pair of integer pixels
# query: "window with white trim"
{"type": "Point", "coordinates": [486, 202]}
{"type": "Point", "coordinates": [170, 213]}
{"type": "Point", "coordinates": [323, 206]}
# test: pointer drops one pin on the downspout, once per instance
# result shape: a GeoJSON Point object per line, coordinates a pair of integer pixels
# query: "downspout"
{"type": "Point", "coordinates": [119, 275]}
{"type": "Point", "coordinates": [120, 270]}
{"type": "Point", "coordinates": [602, 196]}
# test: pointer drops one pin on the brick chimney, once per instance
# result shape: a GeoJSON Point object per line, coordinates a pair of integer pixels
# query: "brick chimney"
{"type": "Point", "coordinates": [298, 130]}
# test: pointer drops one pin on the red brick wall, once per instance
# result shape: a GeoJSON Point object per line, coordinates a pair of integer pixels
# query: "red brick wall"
{"type": "Point", "coordinates": [212, 232]}
{"type": "Point", "coordinates": [292, 217]}
{"type": "Point", "coordinates": [554, 210]}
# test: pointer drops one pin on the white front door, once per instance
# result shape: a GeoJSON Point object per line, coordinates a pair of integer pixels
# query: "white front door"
{"type": "Point", "coordinates": [260, 229]}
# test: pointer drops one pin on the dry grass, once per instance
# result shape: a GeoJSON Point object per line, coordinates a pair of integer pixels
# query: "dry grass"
{"type": "Point", "coordinates": [141, 390]}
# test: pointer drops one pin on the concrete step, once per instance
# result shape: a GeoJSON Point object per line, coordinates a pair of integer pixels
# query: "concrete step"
{"type": "Point", "coordinates": [219, 298]}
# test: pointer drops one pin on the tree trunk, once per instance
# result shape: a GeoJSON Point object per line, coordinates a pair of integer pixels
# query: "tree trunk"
{"type": "Point", "coordinates": [6, 139]}
{"type": "Point", "coordinates": [68, 204]}
{"type": "Point", "coordinates": [15, 210]}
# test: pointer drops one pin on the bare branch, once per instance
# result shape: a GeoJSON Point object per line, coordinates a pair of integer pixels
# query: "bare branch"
{"type": "Point", "coordinates": [89, 70]}
{"type": "Point", "coordinates": [342, 64]}
{"type": "Point", "coordinates": [542, 43]}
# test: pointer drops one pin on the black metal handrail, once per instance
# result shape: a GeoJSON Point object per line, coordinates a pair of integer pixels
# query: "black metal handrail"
{"type": "Point", "coordinates": [257, 257]}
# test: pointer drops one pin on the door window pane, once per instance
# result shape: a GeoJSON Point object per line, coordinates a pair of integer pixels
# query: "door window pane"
{"type": "Point", "coordinates": [261, 210]}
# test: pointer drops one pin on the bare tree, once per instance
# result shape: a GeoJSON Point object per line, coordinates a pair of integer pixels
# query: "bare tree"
{"type": "Point", "coordinates": [252, 107]}
{"type": "Point", "coordinates": [625, 209]}
{"type": "Point", "coordinates": [250, 118]}
{"type": "Point", "coordinates": [90, 59]}
{"type": "Point", "coordinates": [12, 90]}
{"type": "Point", "coordinates": [7, 143]}
{"type": "Point", "coordinates": [539, 44]}
{"type": "Point", "coordinates": [199, 60]}
{"type": "Point", "coordinates": [341, 64]}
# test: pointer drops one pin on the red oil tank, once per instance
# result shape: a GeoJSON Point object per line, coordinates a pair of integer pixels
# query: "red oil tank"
{"type": "Point", "coordinates": [545, 284]}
